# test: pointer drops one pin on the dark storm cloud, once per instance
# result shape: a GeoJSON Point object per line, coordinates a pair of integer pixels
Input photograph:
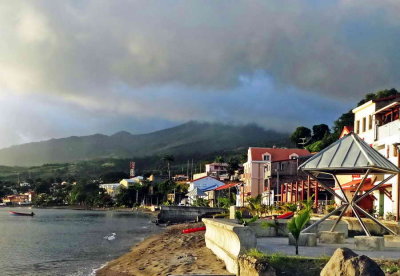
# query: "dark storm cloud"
{"type": "Point", "coordinates": [179, 60]}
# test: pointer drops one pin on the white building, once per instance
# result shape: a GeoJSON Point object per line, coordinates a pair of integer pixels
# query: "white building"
{"type": "Point", "coordinates": [131, 181]}
{"type": "Point", "coordinates": [377, 123]}
{"type": "Point", "coordinates": [111, 188]}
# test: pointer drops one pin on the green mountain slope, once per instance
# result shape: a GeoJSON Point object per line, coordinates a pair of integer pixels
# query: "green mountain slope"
{"type": "Point", "coordinates": [188, 139]}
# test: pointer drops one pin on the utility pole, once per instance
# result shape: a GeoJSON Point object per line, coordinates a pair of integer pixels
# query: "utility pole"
{"type": "Point", "coordinates": [192, 170]}
{"type": "Point", "coordinates": [303, 141]}
{"type": "Point", "coordinates": [187, 170]}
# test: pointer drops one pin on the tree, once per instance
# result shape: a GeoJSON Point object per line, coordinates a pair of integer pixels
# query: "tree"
{"type": "Point", "coordinates": [300, 133]}
{"type": "Point", "coordinates": [126, 196]}
{"type": "Point", "coordinates": [219, 159]}
{"type": "Point", "coordinates": [346, 119]}
{"type": "Point", "coordinates": [378, 95]}
{"type": "Point", "coordinates": [319, 132]}
{"type": "Point", "coordinates": [168, 158]}
{"type": "Point", "coordinates": [297, 224]}
{"type": "Point", "coordinates": [166, 187]}
{"type": "Point", "coordinates": [233, 165]}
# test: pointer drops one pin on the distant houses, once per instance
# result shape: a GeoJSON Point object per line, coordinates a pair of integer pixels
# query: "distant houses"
{"type": "Point", "coordinates": [110, 188]}
{"type": "Point", "coordinates": [19, 199]}
{"type": "Point", "coordinates": [130, 182]}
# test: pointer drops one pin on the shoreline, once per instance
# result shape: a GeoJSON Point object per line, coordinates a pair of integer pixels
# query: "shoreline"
{"type": "Point", "coordinates": [168, 252]}
{"type": "Point", "coordinates": [78, 208]}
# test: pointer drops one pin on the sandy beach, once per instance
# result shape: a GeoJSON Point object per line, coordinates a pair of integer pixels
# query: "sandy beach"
{"type": "Point", "coordinates": [170, 252]}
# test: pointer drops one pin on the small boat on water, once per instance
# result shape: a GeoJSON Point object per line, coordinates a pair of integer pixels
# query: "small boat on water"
{"type": "Point", "coordinates": [31, 214]}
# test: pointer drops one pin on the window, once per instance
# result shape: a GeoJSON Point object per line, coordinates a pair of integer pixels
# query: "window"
{"type": "Point", "coordinates": [395, 151]}
{"type": "Point", "coordinates": [266, 157]}
{"type": "Point", "coordinates": [370, 122]}
{"type": "Point", "coordinates": [364, 124]}
{"type": "Point", "coordinates": [358, 127]}
{"type": "Point", "coordinates": [282, 166]}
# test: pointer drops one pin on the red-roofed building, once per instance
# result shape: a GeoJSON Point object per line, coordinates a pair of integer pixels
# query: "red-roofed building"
{"type": "Point", "coordinates": [346, 130]}
{"type": "Point", "coordinates": [258, 159]}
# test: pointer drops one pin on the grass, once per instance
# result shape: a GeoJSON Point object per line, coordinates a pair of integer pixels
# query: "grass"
{"type": "Point", "coordinates": [392, 268]}
{"type": "Point", "coordinates": [291, 265]}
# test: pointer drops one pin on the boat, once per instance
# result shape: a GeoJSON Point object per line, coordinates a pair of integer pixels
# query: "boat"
{"type": "Point", "coordinates": [21, 214]}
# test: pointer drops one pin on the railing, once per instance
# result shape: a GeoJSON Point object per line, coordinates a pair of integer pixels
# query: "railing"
{"type": "Point", "coordinates": [389, 129]}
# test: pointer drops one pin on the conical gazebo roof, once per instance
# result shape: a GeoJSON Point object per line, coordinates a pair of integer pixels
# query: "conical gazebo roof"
{"type": "Point", "coordinates": [349, 155]}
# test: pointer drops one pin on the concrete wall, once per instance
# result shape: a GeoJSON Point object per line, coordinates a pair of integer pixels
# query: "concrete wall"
{"type": "Point", "coordinates": [228, 241]}
{"type": "Point", "coordinates": [185, 213]}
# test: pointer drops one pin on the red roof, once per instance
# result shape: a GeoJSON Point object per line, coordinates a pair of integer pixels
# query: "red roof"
{"type": "Point", "coordinates": [346, 130]}
{"type": "Point", "coordinates": [368, 185]}
{"type": "Point", "coordinates": [276, 153]}
{"type": "Point", "coordinates": [226, 186]}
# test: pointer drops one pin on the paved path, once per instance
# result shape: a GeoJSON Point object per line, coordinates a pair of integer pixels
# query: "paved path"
{"type": "Point", "coordinates": [280, 244]}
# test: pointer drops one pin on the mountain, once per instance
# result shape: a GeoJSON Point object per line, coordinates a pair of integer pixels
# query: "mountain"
{"type": "Point", "coordinates": [187, 139]}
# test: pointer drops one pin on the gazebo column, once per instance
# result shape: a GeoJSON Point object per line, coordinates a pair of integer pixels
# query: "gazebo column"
{"type": "Point", "coordinates": [297, 191]}
{"type": "Point", "coordinates": [316, 194]}
{"type": "Point", "coordinates": [308, 188]}
{"type": "Point", "coordinates": [302, 190]}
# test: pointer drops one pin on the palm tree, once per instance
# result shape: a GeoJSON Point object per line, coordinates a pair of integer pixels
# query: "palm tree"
{"type": "Point", "coordinates": [219, 159]}
{"type": "Point", "coordinates": [168, 158]}
{"type": "Point", "coordinates": [297, 224]}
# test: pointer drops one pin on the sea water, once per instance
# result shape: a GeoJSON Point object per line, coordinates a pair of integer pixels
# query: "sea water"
{"type": "Point", "coordinates": [66, 242]}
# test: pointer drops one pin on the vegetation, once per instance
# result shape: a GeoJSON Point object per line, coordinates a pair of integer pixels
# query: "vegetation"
{"type": "Point", "coordinates": [290, 265]}
{"type": "Point", "coordinates": [297, 224]}
{"type": "Point", "coordinates": [178, 141]}
{"type": "Point", "coordinates": [244, 221]}
{"type": "Point", "coordinates": [226, 202]}
{"type": "Point", "coordinates": [322, 136]}
{"type": "Point", "coordinates": [200, 202]}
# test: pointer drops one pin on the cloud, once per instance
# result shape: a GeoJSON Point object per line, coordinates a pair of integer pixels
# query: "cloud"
{"type": "Point", "coordinates": [89, 46]}
{"type": "Point", "coordinates": [169, 61]}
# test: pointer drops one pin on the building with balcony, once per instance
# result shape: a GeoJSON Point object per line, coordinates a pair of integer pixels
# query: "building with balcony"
{"type": "Point", "coordinates": [377, 122]}
{"type": "Point", "coordinates": [258, 168]}
{"type": "Point", "coordinates": [283, 171]}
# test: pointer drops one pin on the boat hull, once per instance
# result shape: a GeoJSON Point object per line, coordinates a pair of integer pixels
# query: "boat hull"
{"type": "Point", "coordinates": [21, 214]}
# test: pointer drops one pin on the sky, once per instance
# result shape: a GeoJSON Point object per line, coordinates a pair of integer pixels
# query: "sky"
{"type": "Point", "coordinates": [79, 67]}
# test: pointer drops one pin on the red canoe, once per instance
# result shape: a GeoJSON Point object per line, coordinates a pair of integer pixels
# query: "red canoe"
{"type": "Point", "coordinates": [285, 215]}
{"type": "Point", "coordinates": [21, 214]}
{"type": "Point", "coordinates": [192, 230]}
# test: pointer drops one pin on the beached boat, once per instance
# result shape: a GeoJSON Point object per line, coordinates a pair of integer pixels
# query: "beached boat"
{"type": "Point", "coordinates": [21, 214]}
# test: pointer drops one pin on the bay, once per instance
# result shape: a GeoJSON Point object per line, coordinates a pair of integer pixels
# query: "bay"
{"type": "Point", "coordinates": [67, 242]}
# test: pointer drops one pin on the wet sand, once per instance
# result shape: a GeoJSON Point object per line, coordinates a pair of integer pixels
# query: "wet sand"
{"type": "Point", "coordinates": [170, 252]}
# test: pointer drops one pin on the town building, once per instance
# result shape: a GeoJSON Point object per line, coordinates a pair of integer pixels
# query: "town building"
{"type": "Point", "coordinates": [377, 123]}
{"type": "Point", "coordinates": [110, 188]}
{"type": "Point", "coordinates": [130, 182]}
{"type": "Point", "coordinates": [281, 172]}
{"type": "Point", "coordinates": [217, 169]}
{"type": "Point", "coordinates": [259, 162]}
{"type": "Point", "coordinates": [19, 199]}
{"type": "Point", "coordinates": [201, 186]}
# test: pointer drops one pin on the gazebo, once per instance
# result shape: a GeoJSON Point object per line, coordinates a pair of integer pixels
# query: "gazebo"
{"type": "Point", "coordinates": [348, 156]}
